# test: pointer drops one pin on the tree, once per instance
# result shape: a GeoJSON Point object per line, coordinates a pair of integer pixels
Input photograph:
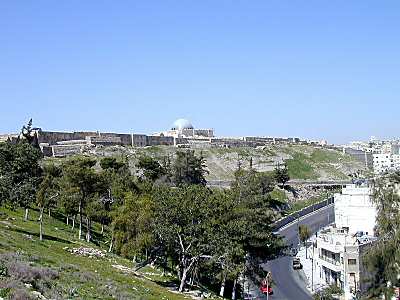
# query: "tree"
{"type": "Point", "coordinates": [304, 235]}
{"type": "Point", "coordinates": [254, 212]}
{"type": "Point", "coordinates": [20, 173]}
{"type": "Point", "coordinates": [282, 175]}
{"type": "Point", "coordinates": [79, 176]}
{"type": "Point", "coordinates": [329, 293]}
{"type": "Point", "coordinates": [382, 259]}
{"type": "Point", "coordinates": [68, 201]}
{"type": "Point", "coordinates": [189, 169]}
{"type": "Point", "coordinates": [151, 168]}
{"type": "Point", "coordinates": [111, 163]}
{"type": "Point", "coordinates": [133, 226]}
{"type": "Point", "coordinates": [47, 192]}
{"type": "Point", "coordinates": [29, 135]}
{"type": "Point", "coordinates": [181, 217]}
{"type": "Point", "coordinates": [226, 239]}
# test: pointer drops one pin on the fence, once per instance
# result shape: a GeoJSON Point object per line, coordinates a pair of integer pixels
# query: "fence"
{"type": "Point", "coordinates": [301, 213]}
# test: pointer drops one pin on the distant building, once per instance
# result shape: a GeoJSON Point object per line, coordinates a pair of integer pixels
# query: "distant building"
{"type": "Point", "coordinates": [8, 137]}
{"type": "Point", "coordinates": [385, 162]}
{"type": "Point", "coordinates": [181, 134]}
{"type": "Point", "coordinates": [382, 163]}
{"type": "Point", "coordinates": [183, 128]}
{"type": "Point", "coordinates": [358, 153]}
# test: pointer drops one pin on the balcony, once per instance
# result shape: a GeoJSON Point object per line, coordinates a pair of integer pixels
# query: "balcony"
{"type": "Point", "coordinates": [330, 245]}
{"type": "Point", "coordinates": [330, 263]}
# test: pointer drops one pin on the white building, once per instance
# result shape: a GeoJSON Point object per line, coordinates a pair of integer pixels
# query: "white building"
{"type": "Point", "coordinates": [183, 128]}
{"type": "Point", "coordinates": [355, 210]}
{"type": "Point", "coordinates": [385, 162]}
{"type": "Point", "coordinates": [339, 259]}
{"type": "Point", "coordinates": [339, 249]}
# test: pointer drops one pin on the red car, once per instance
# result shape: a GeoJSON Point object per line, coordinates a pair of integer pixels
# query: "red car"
{"type": "Point", "coordinates": [265, 289]}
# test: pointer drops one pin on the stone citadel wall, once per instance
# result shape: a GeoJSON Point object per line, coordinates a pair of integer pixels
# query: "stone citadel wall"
{"type": "Point", "coordinates": [67, 143]}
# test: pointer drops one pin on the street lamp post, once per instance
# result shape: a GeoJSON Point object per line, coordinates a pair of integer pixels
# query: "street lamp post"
{"type": "Point", "coordinates": [312, 269]}
{"type": "Point", "coordinates": [267, 279]}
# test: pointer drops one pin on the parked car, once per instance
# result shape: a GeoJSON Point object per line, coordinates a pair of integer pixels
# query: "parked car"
{"type": "Point", "coordinates": [293, 251]}
{"type": "Point", "coordinates": [247, 296]}
{"type": "Point", "coordinates": [297, 264]}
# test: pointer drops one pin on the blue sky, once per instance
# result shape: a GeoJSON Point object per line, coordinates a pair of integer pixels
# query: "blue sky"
{"type": "Point", "coordinates": [314, 69]}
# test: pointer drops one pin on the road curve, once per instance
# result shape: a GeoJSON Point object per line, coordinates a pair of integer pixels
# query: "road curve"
{"type": "Point", "coordinates": [290, 284]}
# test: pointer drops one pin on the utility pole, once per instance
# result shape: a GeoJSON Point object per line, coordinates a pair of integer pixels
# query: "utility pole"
{"type": "Point", "coordinates": [267, 278]}
{"type": "Point", "coordinates": [312, 269]}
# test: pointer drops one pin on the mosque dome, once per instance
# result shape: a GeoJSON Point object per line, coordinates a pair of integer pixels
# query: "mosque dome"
{"type": "Point", "coordinates": [181, 124]}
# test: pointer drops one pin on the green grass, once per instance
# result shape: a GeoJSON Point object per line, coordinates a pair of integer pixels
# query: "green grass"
{"type": "Point", "coordinates": [325, 156]}
{"type": "Point", "coordinates": [79, 277]}
{"type": "Point", "coordinates": [279, 194]}
{"type": "Point", "coordinates": [299, 167]}
{"type": "Point", "coordinates": [299, 205]}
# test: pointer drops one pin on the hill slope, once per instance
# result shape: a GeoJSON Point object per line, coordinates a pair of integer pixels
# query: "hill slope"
{"type": "Point", "coordinates": [304, 162]}
{"type": "Point", "coordinates": [49, 269]}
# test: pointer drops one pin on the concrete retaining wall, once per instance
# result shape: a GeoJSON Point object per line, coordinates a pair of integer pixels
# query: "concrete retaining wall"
{"type": "Point", "coordinates": [301, 213]}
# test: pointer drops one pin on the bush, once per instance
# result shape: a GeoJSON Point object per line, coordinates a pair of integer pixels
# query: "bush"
{"type": "Point", "coordinates": [3, 270]}
{"type": "Point", "coordinates": [20, 272]}
{"type": "Point", "coordinates": [4, 292]}
{"type": "Point", "coordinates": [20, 294]}
{"type": "Point", "coordinates": [328, 293]}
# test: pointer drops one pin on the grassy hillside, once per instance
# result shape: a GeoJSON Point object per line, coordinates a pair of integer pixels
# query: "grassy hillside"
{"type": "Point", "coordinates": [304, 162]}
{"type": "Point", "coordinates": [29, 266]}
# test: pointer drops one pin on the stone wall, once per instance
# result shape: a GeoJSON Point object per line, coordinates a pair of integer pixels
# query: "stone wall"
{"type": "Point", "coordinates": [154, 140]}
{"type": "Point", "coordinates": [47, 150]}
{"type": "Point", "coordinates": [138, 140]}
{"type": "Point", "coordinates": [52, 137]}
{"type": "Point", "coordinates": [104, 140]}
{"type": "Point", "coordinates": [78, 140]}
{"type": "Point", "coordinates": [123, 138]}
{"type": "Point", "coordinates": [256, 139]}
{"type": "Point", "coordinates": [66, 150]}
{"type": "Point", "coordinates": [181, 141]}
{"type": "Point", "coordinates": [360, 155]}
{"type": "Point", "coordinates": [230, 142]}
{"type": "Point", "coordinates": [204, 132]}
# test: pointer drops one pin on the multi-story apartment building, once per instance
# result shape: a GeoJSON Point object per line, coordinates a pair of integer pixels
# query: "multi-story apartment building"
{"type": "Point", "coordinates": [339, 259]}
{"type": "Point", "coordinates": [385, 162]}
{"type": "Point", "coordinates": [339, 249]}
{"type": "Point", "coordinates": [354, 209]}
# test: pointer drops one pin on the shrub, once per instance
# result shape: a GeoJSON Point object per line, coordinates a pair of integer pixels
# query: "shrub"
{"type": "Point", "coordinates": [20, 272]}
{"type": "Point", "coordinates": [3, 270]}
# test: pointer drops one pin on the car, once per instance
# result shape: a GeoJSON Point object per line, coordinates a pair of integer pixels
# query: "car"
{"type": "Point", "coordinates": [292, 251]}
{"type": "Point", "coordinates": [297, 264]}
{"type": "Point", "coordinates": [266, 289]}
{"type": "Point", "coordinates": [247, 296]}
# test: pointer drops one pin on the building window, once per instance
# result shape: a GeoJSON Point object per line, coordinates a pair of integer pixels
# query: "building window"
{"type": "Point", "coordinates": [352, 261]}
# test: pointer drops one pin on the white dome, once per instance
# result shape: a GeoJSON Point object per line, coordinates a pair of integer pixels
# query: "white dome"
{"type": "Point", "coordinates": [181, 124]}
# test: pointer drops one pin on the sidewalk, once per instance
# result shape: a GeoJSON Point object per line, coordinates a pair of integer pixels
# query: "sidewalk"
{"type": "Point", "coordinates": [310, 266]}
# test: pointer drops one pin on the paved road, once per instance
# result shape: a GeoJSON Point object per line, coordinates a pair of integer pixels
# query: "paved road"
{"type": "Point", "coordinates": [290, 284]}
{"type": "Point", "coordinates": [293, 182]}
